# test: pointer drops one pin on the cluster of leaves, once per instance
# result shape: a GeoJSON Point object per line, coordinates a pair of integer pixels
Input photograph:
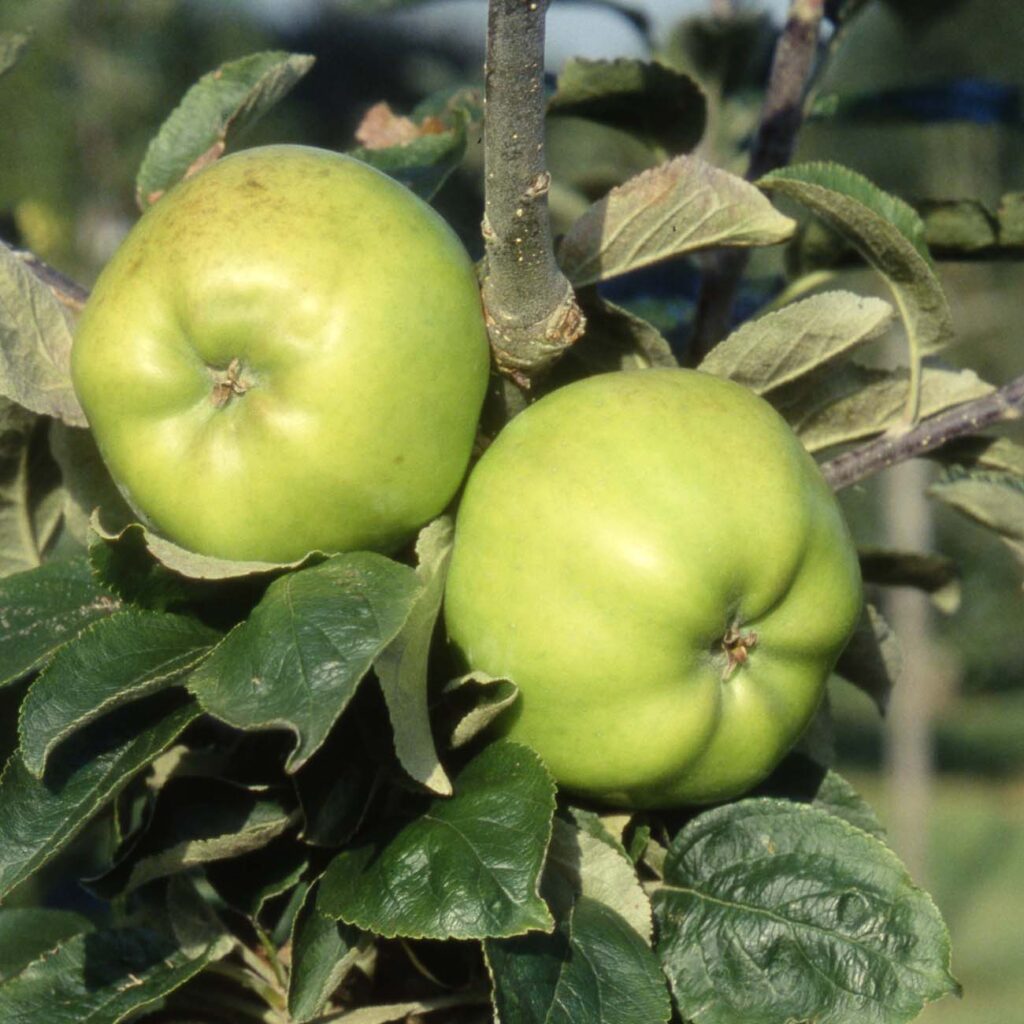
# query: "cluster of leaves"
{"type": "Point", "coordinates": [295, 806]}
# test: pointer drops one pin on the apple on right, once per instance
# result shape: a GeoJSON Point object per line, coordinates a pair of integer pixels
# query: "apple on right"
{"type": "Point", "coordinates": [657, 563]}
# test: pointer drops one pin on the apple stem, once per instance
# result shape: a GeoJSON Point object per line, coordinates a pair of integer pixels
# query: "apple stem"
{"type": "Point", "coordinates": [737, 646]}
{"type": "Point", "coordinates": [228, 384]}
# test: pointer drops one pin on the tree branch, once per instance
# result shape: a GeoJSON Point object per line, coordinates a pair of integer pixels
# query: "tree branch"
{"type": "Point", "coordinates": [781, 117]}
{"type": "Point", "coordinates": [532, 314]}
{"type": "Point", "coordinates": [1005, 403]}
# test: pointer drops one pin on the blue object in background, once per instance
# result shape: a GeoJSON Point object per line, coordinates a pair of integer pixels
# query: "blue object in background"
{"type": "Point", "coordinates": [977, 100]}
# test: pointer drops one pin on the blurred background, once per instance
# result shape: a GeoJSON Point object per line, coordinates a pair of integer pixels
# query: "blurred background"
{"type": "Point", "coordinates": [923, 96]}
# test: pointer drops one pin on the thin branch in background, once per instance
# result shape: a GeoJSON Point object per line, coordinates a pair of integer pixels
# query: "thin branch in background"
{"type": "Point", "coordinates": [781, 117]}
{"type": "Point", "coordinates": [532, 314]}
{"type": "Point", "coordinates": [1005, 403]}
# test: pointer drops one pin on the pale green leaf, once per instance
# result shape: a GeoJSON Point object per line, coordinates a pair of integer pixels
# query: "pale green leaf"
{"type": "Point", "coordinates": [682, 206]}
{"type": "Point", "coordinates": [778, 348]}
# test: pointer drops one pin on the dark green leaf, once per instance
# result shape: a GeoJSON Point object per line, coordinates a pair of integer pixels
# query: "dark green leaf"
{"type": "Point", "coordinates": [323, 952]}
{"type": "Point", "coordinates": [596, 970]}
{"type": "Point", "coordinates": [336, 784]}
{"type": "Point", "coordinates": [26, 933]}
{"type": "Point", "coordinates": [615, 339]}
{"type": "Point", "coordinates": [467, 867]}
{"type": "Point", "coordinates": [872, 660]}
{"type": "Point", "coordinates": [936, 575]}
{"type": "Point", "coordinates": [248, 881]}
{"type": "Point", "coordinates": [103, 977]}
{"type": "Point", "coordinates": [197, 821]}
{"type": "Point", "coordinates": [297, 660]}
{"type": "Point", "coordinates": [119, 659]}
{"type": "Point", "coordinates": [991, 453]}
{"type": "Point", "coordinates": [38, 818]}
{"type": "Point", "coordinates": [221, 104]}
{"type": "Point", "coordinates": [837, 797]}
{"type": "Point", "coordinates": [35, 344]}
{"type": "Point", "coordinates": [773, 912]}
{"type": "Point", "coordinates": [43, 608]}
{"type": "Point", "coordinates": [402, 666]}
{"type": "Point", "coordinates": [665, 107]}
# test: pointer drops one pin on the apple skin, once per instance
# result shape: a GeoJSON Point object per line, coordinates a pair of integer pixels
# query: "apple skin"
{"type": "Point", "coordinates": [349, 315]}
{"type": "Point", "coordinates": [605, 545]}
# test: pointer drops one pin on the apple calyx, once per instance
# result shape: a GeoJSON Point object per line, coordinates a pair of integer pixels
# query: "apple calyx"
{"type": "Point", "coordinates": [227, 383]}
{"type": "Point", "coordinates": [737, 646]}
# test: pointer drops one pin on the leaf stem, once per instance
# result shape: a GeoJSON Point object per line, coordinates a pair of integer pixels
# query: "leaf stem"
{"type": "Point", "coordinates": [1005, 403]}
{"type": "Point", "coordinates": [532, 314]}
{"type": "Point", "coordinates": [781, 117]}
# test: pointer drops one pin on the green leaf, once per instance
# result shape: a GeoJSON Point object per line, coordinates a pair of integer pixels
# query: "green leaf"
{"type": "Point", "coordinates": [220, 105]}
{"type": "Point", "coordinates": [1010, 216]}
{"type": "Point", "coordinates": [615, 339]}
{"type": "Point", "coordinates": [35, 345]}
{"type": "Point", "coordinates": [423, 164]}
{"type": "Point", "coordinates": [103, 977]}
{"type": "Point", "coordinates": [196, 821]}
{"type": "Point", "coordinates": [337, 783]}
{"type": "Point", "coordinates": [851, 402]}
{"type": "Point", "coordinates": [837, 797]}
{"type": "Point", "coordinates": [890, 236]}
{"type": "Point", "coordinates": [26, 933]}
{"type": "Point", "coordinates": [43, 608]}
{"type": "Point", "coordinates": [472, 702]}
{"type": "Point", "coordinates": [957, 227]}
{"type": "Point", "coordinates": [12, 45]}
{"type": "Point", "coordinates": [995, 500]}
{"type": "Point", "coordinates": [467, 867]}
{"type": "Point", "coordinates": [773, 912]}
{"type": "Point", "coordinates": [187, 563]}
{"type": "Point", "coordinates": [30, 496]}
{"type": "Point", "coordinates": [402, 666]}
{"type": "Point", "coordinates": [584, 860]}
{"type": "Point", "coordinates": [87, 482]}
{"type": "Point", "coordinates": [323, 952]}
{"type": "Point", "coordinates": [991, 453]}
{"type": "Point", "coordinates": [119, 659]}
{"type": "Point", "coordinates": [872, 660]}
{"type": "Point", "coordinates": [682, 206]}
{"type": "Point", "coordinates": [248, 881]}
{"type": "Point", "coordinates": [296, 661]}
{"type": "Point", "coordinates": [936, 575]}
{"type": "Point", "coordinates": [665, 107]}
{"type": "Point", "coordinates": [778, 348]}
{"type": "Point", "coordinates": [38, 818]}
{"type": "Point", "coordinates": [596, 970]}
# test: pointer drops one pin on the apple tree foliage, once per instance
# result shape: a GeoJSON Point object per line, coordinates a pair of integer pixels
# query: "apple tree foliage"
{"type": "Point", "coordinates": [343, 841]}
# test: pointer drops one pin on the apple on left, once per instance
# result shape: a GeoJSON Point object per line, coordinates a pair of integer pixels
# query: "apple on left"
{"type": "Point", "coordinates": [286, 354]}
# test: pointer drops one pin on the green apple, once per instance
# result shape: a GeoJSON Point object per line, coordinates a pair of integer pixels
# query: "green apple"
{"type": "Point", "coordinates": [287, 353]}
{"type": "Point", "coordinates": [657, 563]}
